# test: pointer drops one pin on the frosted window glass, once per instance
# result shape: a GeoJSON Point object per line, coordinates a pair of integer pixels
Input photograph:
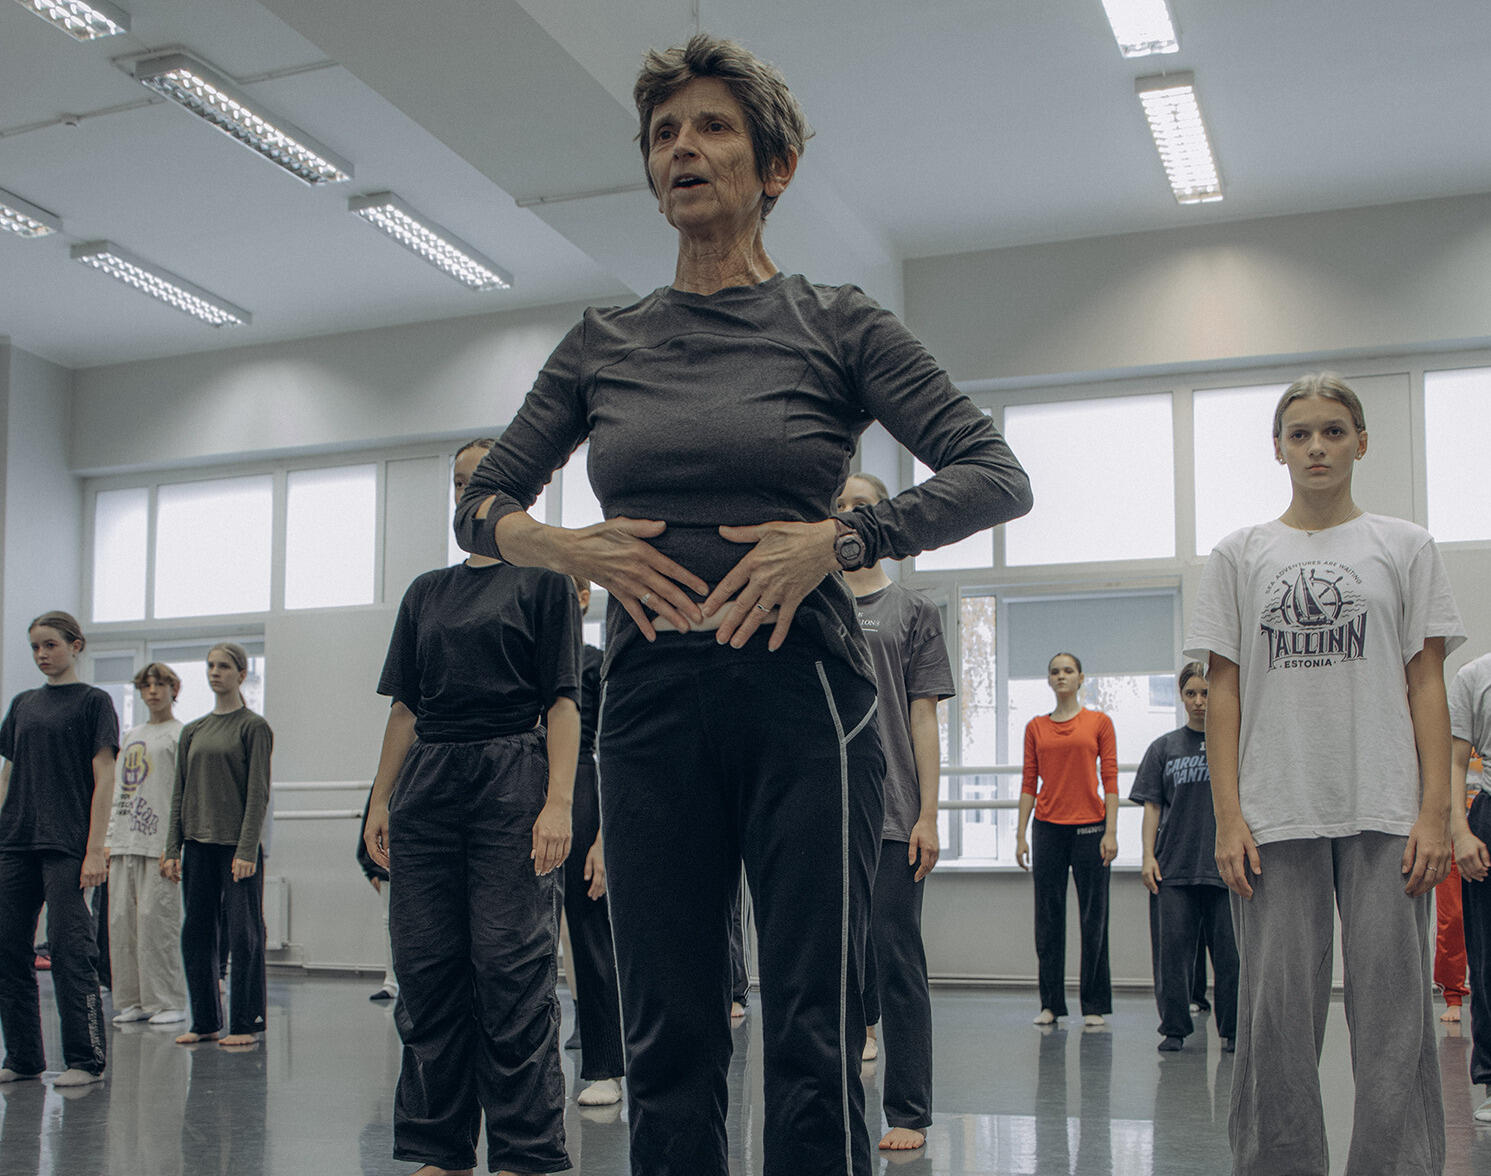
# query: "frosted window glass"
{"type": "Point", "coordinates": [976, 551]}
{"type": "Point", "coordinates": [212, 547]}
{"type": "Point", "coordinates": [579, 507]}
{"type": "Point", "coordinates": [121, 521]}
{"type": "Point", "coordinates": [1103, 473]}
{"type": "Point", "coordinates": [331, 525]}
{"type": "Point", "coordinates": [454, 553]}
{"type": "Point", "coordinates": [1238, 482]}
{"type": "Point", "coordinates": [1457, 411]}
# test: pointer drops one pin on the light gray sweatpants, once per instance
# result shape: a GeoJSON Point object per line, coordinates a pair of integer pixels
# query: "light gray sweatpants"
{"type": "Point", "coordinates": [144, 935]}
{"type": "Point", "coordinates": [1284, 945]}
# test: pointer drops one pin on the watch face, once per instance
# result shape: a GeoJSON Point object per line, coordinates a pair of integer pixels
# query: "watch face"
{"type": "Point", "coordinates": [850, 550]}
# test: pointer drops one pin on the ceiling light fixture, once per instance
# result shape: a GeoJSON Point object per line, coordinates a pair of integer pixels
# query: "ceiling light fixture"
{"type": "Point", "coordinates": [1142, 27]}
{"type": "Point", "coordinates": [207, 94]}
{"type": "Point", "coordinates": [80, 21]}
{"type": "Point", "coordinates": [1169, 102]}
{"type": "Point", "coordinates": [162, 284]}
{"type": "Point", "coordinates": [24, 218]}
{"type": "Point", "coordinates": [437, 245]}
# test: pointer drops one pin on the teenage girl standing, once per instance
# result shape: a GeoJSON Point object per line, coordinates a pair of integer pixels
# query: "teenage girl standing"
{"type": "Point", "coordinates": [1076, 829]}
{"type": "Point", "coordinates": [217, 819]}
{"type": "Point", "coordinates": [59, 742]}
{"type": "Point", "coordinates": [470, 815]}
{"type": "Point", "coordinates": [1328, 740]}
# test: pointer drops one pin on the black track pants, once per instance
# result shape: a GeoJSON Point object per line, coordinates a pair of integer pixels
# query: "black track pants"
{"type": "Point", "coordinates": [896, 990]}
{"type": "Point", "coordinates": [29, 878]}
{"type": "Point", "coordinates": [1187, 915]}
{"type": "Point", "coordinates": [1054, 850]}
{"type": "Point", "coordinates": [474, 934]}
{"type": "Point", "coordinates": [208, 896]}
{"type": "Point", "coordinates": [590, 940]}
{"type": "Point", "coordinates": [709, 755]}
{"type": "Point", "coordinates": [1476, 903]}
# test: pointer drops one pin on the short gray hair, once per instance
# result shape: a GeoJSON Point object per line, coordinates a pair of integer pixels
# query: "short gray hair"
{"type": "Point", "coordinates": [778, 128]}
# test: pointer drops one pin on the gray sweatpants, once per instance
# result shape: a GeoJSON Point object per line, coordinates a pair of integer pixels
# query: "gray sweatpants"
{"type": "Point", "coordinates": [1284, 943]}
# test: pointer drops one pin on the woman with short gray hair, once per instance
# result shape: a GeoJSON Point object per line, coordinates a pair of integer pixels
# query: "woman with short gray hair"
{"type": "Point", "coordinates": [737, 719]}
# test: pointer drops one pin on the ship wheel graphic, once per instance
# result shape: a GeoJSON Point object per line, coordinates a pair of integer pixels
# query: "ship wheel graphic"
{"type": "Point", "coordinates": [1313, 601]}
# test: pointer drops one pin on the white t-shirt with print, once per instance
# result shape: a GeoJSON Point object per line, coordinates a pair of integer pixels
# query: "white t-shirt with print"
{"type": "Point", "coordinates": [144, 775]}
{"type": "Point", "coordinates": [1470, 707]}
{"type": "Point", "coordinates": [1321, 627]}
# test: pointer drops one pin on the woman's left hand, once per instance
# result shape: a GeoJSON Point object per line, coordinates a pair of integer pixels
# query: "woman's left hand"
{"type": "Point", "coordinates": [551, 834]}
{"type": "Point", "coordinates": [1426, 859]}
{"type": "Point", "coordinates": [787, 562]}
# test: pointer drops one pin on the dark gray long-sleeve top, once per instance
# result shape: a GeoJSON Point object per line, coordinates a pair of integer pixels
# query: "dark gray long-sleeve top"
{"type": "Point", "coordinates": [742, 407]}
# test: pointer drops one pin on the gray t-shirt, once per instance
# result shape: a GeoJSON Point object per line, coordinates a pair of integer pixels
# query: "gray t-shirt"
{"type": "Point", "coordinates": [1173, 775]}
{"type": "Point", "coordinates": [904, 632]}
{"type": "Point", "coordinates": [1470, 708]}
{"type": "Point", "coordinates": [1321, 627]}
{"type": "Point", "coordinates": [743, 407]}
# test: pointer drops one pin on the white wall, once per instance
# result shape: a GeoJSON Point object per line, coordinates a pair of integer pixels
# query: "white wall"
{"type": "Point", "coordinates": [43, 540]}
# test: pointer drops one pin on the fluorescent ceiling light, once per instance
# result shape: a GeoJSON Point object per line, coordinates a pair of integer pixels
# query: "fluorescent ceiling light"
{"type": "Point", "coordinates": [82, 22]}
{"type": "Point", "coordinates": [209, 95]}
{"type": "Point", "coordinates": [1180, 136]}
{"type": "Point", "coordinates": [1142, 27]}
{"type": "Point", "coordinates": [158, 283]}
{"type": "Point", "coordinates": [24, 218]}
{"type": "Point", "coordinates": [438, 246]}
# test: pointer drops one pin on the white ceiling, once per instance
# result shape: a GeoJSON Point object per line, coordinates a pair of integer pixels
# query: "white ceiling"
{"type": "Point", "coordinates": [942, 126]}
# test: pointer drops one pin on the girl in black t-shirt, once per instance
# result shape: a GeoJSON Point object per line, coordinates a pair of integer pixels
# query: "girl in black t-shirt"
{"type": "Point", "coordinates": [56, 790]}
{"type": "Point", "coordinates": [470, 815]}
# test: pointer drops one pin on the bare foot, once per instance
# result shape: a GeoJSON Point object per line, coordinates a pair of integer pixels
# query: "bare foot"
{"type": "Point", "coordinates": [903, 1139]}
{"type": "Point", "coordinates": [737, 1012]}
{"type": "Point", "coordinates": [239, 1041]}
{"type": "Point", "coordinates": [1451, 1015]}
{"type": "Point", "coordinates": [1044, 1017]}
{"type": "Point", "coordinates": [193, 1038]}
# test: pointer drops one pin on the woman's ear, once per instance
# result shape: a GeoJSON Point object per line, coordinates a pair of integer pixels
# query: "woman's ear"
{"type": "Point", "coordinates": [779, 175]}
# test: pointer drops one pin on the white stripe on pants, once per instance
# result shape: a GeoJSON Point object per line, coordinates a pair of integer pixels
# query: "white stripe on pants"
{"type": "Point", "coordinates": [144, 935]}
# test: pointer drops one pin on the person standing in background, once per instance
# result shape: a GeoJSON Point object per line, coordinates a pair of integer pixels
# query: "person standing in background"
{"type": "Point", "coordinates": [145, 906]}
{"type": "Point", "coordinates": [56, 789]}
{"type": "Point", "coordinates": [912, 675]}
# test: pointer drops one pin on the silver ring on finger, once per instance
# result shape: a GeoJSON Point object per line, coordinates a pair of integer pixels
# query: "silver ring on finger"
{"type": "Point", "coordinates": [762, 607]}
{"type": "Point", "coordinates": [646, 596]}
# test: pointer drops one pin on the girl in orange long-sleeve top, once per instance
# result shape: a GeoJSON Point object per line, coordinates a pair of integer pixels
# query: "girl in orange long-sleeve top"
{"type": "Point", "coordinates": [1076, 830]}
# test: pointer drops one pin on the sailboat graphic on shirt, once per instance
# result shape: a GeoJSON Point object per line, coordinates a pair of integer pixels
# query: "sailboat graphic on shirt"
{"type": "Point", "coordinates": [1311, 602]}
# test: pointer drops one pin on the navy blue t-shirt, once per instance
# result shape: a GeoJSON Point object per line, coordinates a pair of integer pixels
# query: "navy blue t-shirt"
{"type": "Point", "coordinates": [1174, 775]}
{"type": "Point", "coordinates": [50, 736]}
{"type": "Point", "coordinates": [481, 652]}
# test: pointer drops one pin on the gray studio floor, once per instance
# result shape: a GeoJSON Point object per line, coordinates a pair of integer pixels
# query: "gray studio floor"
{"type": "Point", "coordinates": [1010, 1099]}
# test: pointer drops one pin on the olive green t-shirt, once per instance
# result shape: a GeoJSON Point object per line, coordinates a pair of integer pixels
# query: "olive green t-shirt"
{"type": "Point", "coordinates": [222, 783]}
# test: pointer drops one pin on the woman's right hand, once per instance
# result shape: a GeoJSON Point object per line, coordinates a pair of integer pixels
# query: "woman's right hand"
{"type": "Point", "coordinates": [1150, 874]}
{"type": "Point", "coordinates": [1237, 853]}
{"type": "Point", "coordinates": [616, 555]}
{"type": "Point", "coordinates": [1022, 851]}
{"type": "Point", "coordinates": [375, 834]}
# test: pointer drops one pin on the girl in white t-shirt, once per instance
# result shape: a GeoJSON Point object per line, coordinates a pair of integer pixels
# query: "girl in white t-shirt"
{"type": "Point", "coordinates": [1329, 749]}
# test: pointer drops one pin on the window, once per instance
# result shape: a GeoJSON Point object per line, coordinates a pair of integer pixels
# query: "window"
{"type": "Point", "coordinates": [1103, 472]}
{"type": "Point", "coordinates": [114, 673]}
{"type": "Point", "coordinates": [1457, 411]}
{"type": "Point", "coordinates": [331, 525]}
{"type": "Point", "coordinates": [976, 551]}
{"type": "Point", "coordinates": [121, 530]}
{"type": "Point", "coordinates": [578, 504]}
{"type": "Point", "coordinates": [212, 546]}
{"type": "Point", "coordinates": [1237, 480]}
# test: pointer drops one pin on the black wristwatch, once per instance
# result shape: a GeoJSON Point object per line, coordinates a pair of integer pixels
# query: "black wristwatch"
{"type": "Point", "coordinates": [849, 548]}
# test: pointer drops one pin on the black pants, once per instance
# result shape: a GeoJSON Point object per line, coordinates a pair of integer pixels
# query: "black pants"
{"type": "Point", "coordinates": [710, 755]}
{"type": "Point", "coordinates": [207, 889]}
{"type": "Point", "coordinates": [27, 880]}
{"type": "Point", "coordinates": [474, 935]}
{"type": "Point", "coordinates": [740, 978]}
{"type": "Point", "coordinates": [1476, 904]}
{"type": "Point", "coordinates": [594, 957]}
{"type": "Point", "coordinates": [1055, 849]}
{"type": "Point", "coordinates": [896, 990]}
{"type": "Point", "coordinates": [1184, 916]}
{"type": "Point", "coordinates": [101, 933]}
